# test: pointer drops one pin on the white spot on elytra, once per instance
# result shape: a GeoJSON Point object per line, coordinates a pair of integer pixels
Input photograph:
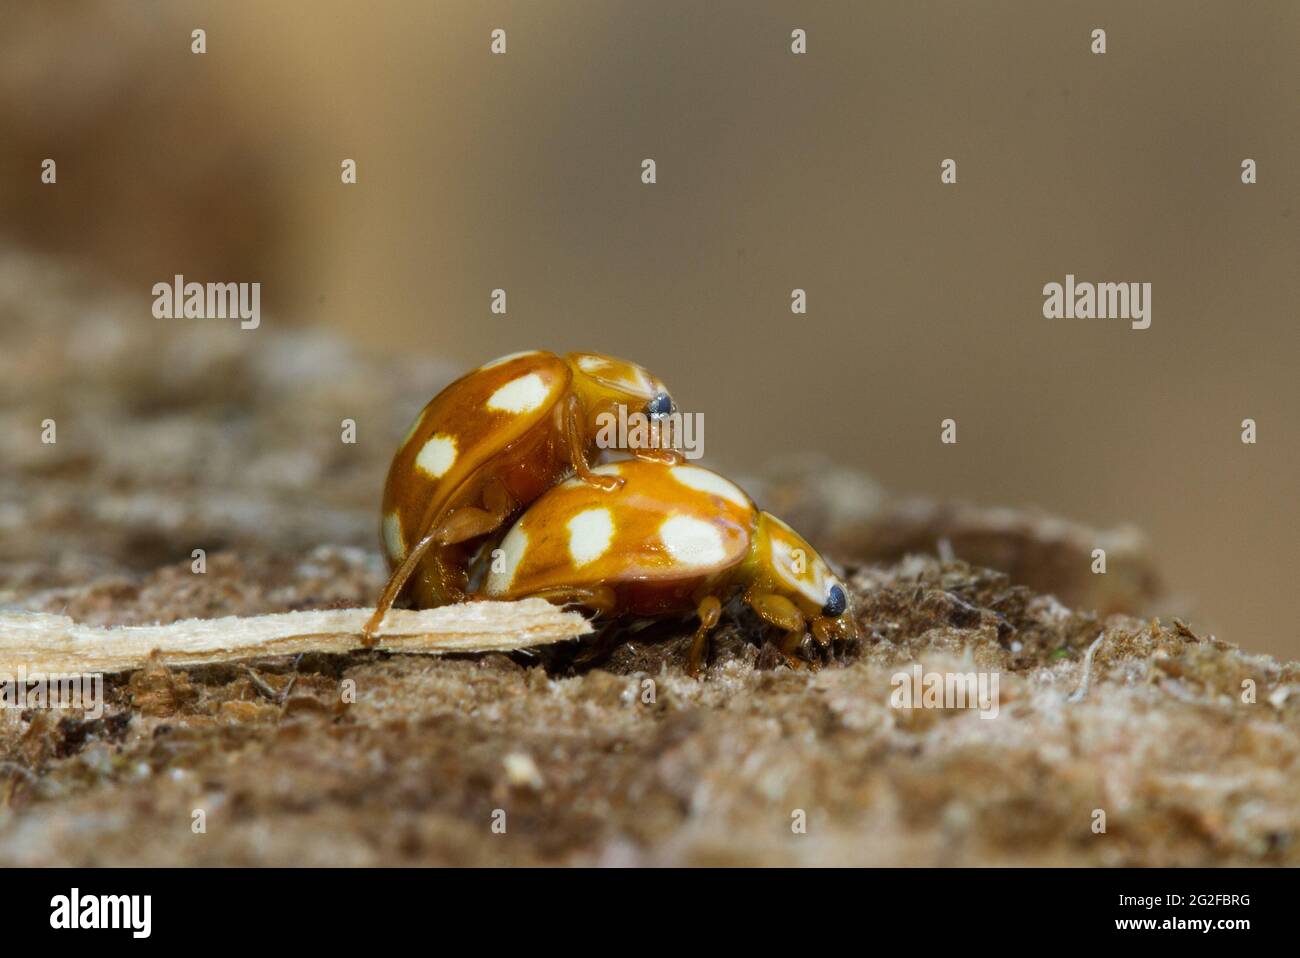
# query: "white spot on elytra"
{"type": "Point", "coordinates": [501, 361]}
{"type": "Point", "coordinates": [393, 536]}
{"type": "Point", "coordinates": [641, 382]}
{"type": "Point", "coordinates": [692, 542]}
{"type": "Point", "coordinates": [437, 456]}
{"type": "Point", "coordinates": [513, 547]}
{"type": "Point", "coordinates": [705, 481]}
{"type": "Point", "coordinates": [590, 533]}
{"type": "Point", "coordinates": [618, 373]}
{"type": "Point", "coordinates": [815, 580]}
{"type": "Point", "coordinates": [519, 395]}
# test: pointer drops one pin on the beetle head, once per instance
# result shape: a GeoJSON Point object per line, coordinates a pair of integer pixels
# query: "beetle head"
{"type": "Point", "coordinates": [606, 382]}
{"type": "Point", "coordinates": [787, 565]}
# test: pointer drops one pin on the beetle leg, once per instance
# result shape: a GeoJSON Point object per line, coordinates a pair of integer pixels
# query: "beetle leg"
{"type": "Point", "coordinates": [669, 457]}
{"type": "Point", "coordinates": [823, 630]}
{"type": "Point", "coordinates": [789, 645]}
{"type": "Point", "coordinates": [575, 437]}
{"type": "Point", "coordinates": [709, 611]}
{"type": "Point", "coordinates": [395, 584]}
{"type": "Point", "coordinates": [779, 611]}
{"type": "Point", "coordinates": [470, 522]}
{"type": "Point", "coordinates": [467, 522]}
{"type": "Point", "coordinates": [600, 599]}
{"type": "Point", "coordinates": [658, 452]}
{"type": "Point", "coordinates": [843, 627]}
{"type": "Point", "coordinates": [826, 630]}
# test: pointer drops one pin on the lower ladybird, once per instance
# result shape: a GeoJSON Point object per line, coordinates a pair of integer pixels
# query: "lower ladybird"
{"type": "Point", "coordinates": [673, 538]}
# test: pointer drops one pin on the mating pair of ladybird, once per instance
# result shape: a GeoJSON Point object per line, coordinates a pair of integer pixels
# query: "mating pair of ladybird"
{"type": "Point", "coordinates": [502, 457]}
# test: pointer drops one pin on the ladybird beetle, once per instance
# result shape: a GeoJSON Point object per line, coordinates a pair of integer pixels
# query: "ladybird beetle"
{"type": "Point", "coordinates": [485, 447]}
{"type": "Point", "coordinates": [672, 538]}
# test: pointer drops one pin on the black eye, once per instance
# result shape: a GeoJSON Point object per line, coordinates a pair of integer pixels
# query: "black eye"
{"type": "Point", "coordinates": [836, 603]}
{"type": "Point", "coordinates": [661, 405]}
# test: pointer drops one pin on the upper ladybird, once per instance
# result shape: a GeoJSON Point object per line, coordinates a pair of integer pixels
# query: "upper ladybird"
{"type": "Point", "coordinates": [487, 446]}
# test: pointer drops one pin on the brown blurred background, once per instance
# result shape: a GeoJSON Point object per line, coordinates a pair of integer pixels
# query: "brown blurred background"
{"type": "Point", "coordinates": [775, 171]}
